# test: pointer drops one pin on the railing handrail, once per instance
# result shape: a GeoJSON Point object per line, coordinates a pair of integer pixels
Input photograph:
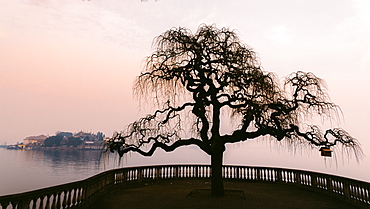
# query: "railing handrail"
{"type": "Point", "coordinates": [80, 192]}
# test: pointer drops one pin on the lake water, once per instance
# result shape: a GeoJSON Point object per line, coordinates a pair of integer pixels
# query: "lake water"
{"type": "Point", "coordinates": [25, 170]}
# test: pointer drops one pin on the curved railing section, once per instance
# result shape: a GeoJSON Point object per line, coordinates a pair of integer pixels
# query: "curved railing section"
{"type": "Point", "coordinates": [80, 193]}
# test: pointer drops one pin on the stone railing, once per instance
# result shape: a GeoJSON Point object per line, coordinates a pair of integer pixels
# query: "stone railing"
{"type": "Point", "coordinates": [78, 194]}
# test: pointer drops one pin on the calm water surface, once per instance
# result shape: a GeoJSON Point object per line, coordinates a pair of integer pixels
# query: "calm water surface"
{"type": "Point", "coordinates": [24, 170]}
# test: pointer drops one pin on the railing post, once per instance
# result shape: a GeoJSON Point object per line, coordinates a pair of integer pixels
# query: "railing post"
{"type": "Point", "coordinates": [313, 180]}
{"type": "Point", "coordinates": [258, 174]}
{"type": "Point", "coordinates": [139, 174]}
{"type": "Point", "coordinates": [156, 173]}
{"type": "Point", "coordinates": [297, 177]}
{"type": "Point", "coordinates": [346, 190]}
{"type": "Point", "coordinates": [279, 175]}
{"type": "Point", "coordinates": [329, 185]}
{"type": "Point", "coordinates": [176, 172]}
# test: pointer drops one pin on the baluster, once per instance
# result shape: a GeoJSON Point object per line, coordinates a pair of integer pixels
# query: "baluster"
{"type": "Point", "coordinates": [57, 203]}
{"type": "Point", "coordinates": [81, 196]}
{"type": "Point", "coordinates": [47, 204]}
{"type": "Point", "coordinates": [41, 203]}
{"type": "Point", "coordinates": [34, 201]}
{"type": "Point", "coordinates": [74, 197]}
{"type": "Point", "coordinates": [69, 200]}
{"type": "Point", "coordinates": [292, 177]}
{"type": "Point", "coordinates": [129, 174]}
{"type": "Point", "coordinates": [356, 191]}
{"type": "Point", "coordinates": [78, 197]}
{"type": "Point", "coordinates": [53, 203]}
{"type": "Point", "coordinates": [265, 174]}
{"type": "Point", "coordinates": [64, 203]}
{"type": "Point", "coordinates": [359, 194]}
{"type": "Point", "coordinates": [270, 176]}
{"type": "Point", "coordinates": [238, 172]}
{"type": "Point", "coordinates": [4, 204]}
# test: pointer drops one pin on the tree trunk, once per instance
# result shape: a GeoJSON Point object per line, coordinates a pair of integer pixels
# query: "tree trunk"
{"type": "Point", "coordinates": [217, 185]}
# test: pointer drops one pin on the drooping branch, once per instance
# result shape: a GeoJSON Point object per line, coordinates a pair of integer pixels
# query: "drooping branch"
{"type": "Point", "coordinates": [194, 78]}
{"type": "Point", "coordinates": [123, 148]}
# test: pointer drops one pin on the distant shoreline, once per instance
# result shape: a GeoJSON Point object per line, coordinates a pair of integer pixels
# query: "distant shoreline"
{"type": "Point", "coordinates": [13, 147]}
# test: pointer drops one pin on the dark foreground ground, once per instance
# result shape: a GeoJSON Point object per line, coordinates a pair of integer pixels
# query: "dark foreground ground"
{"type": "Point", "coordinates": [194, 194]}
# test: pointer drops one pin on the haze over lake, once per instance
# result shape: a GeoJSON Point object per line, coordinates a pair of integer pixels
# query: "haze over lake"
{"type": "Point", "coordinates": [25, 170]}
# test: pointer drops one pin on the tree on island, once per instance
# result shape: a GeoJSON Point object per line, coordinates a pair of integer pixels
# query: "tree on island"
{"type": "Point", "coordinates": [194, 78]}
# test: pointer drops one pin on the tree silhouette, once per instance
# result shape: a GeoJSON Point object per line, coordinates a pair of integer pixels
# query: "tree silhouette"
{"type": "Point", "coordinates": [194, 78]}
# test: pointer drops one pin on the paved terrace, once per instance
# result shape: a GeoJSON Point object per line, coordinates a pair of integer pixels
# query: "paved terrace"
{"type": "Point", "coordinates": [194, 194]}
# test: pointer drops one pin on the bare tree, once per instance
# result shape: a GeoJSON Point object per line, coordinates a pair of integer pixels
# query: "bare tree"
{"type": "Point", "coordinates": [194, 78]}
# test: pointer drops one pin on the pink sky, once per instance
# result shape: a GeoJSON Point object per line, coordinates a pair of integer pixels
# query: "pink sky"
{"type": "Point", "coordinates": [68, 65]}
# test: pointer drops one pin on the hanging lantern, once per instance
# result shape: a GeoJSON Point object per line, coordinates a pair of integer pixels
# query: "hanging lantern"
{"type": "Point", "coordinates": [325, 151]}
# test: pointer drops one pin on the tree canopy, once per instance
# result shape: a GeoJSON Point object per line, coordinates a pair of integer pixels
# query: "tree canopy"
{"type": "Point", "coordinates": [193, 78]}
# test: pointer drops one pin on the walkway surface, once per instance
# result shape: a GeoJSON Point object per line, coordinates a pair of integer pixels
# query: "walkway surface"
{"type": "Point", "coordinates": [195, 194]}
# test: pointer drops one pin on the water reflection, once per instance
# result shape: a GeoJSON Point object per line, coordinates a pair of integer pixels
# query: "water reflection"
{"type": "Point", "coordinates": [24, 170]}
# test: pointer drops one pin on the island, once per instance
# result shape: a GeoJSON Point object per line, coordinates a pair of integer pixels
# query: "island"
{"type": "Point", "coordinates": [62, 141]}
